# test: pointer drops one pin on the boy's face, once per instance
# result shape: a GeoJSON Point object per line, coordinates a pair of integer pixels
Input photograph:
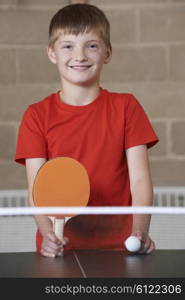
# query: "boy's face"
{"type": "Point", "coordinates": [79, 58]}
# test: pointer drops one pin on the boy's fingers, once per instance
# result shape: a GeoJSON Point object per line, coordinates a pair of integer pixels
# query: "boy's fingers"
{"type": "Point", "coordinates": [64, 242]}
{"type": "Point", "coordinates": [53, 246]}
{"type": "Point", "coordinates": [147, 247]}
{"type": "Point", "coordinates": [151, 248]}
{"type": "Point", "coordinates": [52, 237]}
{"type": "Point", "coordinates": [47, 251]}
{"type": "Point", "coordinates": [48, 254]}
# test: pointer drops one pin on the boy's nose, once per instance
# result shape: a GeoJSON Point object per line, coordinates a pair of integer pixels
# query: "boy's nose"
{"type": "Point", "coordinates": [79, 55]}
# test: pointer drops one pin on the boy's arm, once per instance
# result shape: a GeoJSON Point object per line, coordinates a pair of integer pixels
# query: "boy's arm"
{"type": "Point", "coordinates": [50, 246]}
{"type": "Point", "coordinates": [142, 192]}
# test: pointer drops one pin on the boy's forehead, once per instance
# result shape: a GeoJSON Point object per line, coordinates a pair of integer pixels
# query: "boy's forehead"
{"type": "Point", "coordinates": [87, 35]}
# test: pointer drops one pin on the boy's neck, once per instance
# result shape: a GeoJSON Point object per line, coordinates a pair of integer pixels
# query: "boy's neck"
{"type": "Point", "coordinates": [79, 95]}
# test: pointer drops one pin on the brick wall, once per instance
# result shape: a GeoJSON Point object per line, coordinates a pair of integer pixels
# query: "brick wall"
{"type": "Point", "coordinates": [148, 38]}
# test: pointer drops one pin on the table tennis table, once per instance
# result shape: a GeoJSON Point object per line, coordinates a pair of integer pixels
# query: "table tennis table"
{"type": "Point", "coordinates": [97, 273]}
{"type": "Point", "coordinates": [94, 264]}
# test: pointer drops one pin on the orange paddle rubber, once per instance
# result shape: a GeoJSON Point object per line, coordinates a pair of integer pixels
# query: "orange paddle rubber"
{"type": "Point", "coordinates": [61, 181]}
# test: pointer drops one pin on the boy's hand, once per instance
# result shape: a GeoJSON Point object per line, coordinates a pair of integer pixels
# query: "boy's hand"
{"type": "Point", "coordinates": [147, 243]}
{"type": "Point", "coordinates": [52, 246]}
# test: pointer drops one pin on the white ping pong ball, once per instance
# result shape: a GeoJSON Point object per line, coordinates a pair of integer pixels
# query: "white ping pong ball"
{"type": "Point", "coordinates": [133, 244]}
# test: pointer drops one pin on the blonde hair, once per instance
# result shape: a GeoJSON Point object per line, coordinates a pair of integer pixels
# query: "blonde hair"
{"type": "Point", "coordinates": [79, 18]}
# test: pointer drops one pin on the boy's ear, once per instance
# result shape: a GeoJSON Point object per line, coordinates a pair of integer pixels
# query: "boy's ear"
{"type": "Point", "coordinates": [108, 56]}
{"type": "Point", "coordinates": [51, 54]}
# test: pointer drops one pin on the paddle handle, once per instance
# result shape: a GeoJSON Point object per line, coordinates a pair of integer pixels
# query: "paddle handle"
{"type": "Point", "coordinates": [59, 228]}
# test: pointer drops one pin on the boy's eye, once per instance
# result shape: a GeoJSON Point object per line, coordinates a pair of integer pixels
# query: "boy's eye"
{"type": "Point", "coordinates": [93, 46]}
{"type": "Point", "coordinates": [67, 46]}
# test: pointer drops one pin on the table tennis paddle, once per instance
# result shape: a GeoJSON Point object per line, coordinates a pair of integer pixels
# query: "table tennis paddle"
{"type": "Point", "coordinates": [61, 181]}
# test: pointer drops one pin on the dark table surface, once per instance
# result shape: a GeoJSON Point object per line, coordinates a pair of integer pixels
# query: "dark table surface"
{"type": "Point", "coordinates": [94, 263]}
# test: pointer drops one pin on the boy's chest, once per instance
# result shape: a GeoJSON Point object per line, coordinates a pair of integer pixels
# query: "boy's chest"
{"type": "Point", "coordinates": [85, 130]}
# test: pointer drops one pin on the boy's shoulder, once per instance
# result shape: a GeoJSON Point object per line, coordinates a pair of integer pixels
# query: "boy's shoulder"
{"type": "Point", "coordinates": [121, 97]}
{"type": "Point", "coordinates": [43, 103]}
{"type": "Point", "coordinates": [41, 107]}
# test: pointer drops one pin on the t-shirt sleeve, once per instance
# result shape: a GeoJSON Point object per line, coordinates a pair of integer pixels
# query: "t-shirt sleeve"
{"type": "Point", "coordinates": [138, 129]}
{"type": "Point", "coordinates": [31, 142]}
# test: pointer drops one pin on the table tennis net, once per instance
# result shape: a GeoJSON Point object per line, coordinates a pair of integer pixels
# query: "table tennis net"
{"type": "Point", "coordinates": [17, 232]}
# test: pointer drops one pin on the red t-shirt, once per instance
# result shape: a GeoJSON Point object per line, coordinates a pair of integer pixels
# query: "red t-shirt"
{"type": "Point", "coordinates": [97, 135]}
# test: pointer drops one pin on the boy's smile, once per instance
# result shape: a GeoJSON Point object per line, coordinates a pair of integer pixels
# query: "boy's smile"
{"type": "Point", "coordinates": [79, 58]}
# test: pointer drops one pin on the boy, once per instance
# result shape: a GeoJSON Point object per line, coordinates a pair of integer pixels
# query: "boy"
{"type": "Point", "coordinates": [109, 133]}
